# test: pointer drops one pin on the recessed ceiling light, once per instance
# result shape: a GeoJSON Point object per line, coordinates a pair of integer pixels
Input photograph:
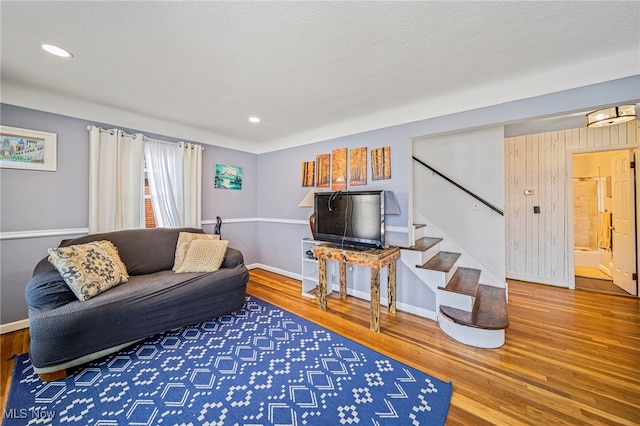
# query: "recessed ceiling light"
{"type": "Point", "coordinates": [254, 119]}
{"type": "Point", "coordinates": [58, 51]}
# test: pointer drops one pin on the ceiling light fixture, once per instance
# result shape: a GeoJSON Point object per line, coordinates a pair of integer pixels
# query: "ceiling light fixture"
{"type": "Point", "coordinates": [58, 51]}
{"type": "Point", "coordinates": [611, 116]}
{"type": "Point", "coordinates": [254, 119]}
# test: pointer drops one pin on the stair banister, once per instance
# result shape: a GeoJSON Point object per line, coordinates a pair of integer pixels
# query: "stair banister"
{"type": "Point", "coordinates": [457, 185]}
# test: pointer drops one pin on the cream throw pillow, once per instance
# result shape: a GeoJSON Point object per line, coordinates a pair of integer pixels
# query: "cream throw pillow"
{"type": "Point", "coordinates": [204, 256]}
{"type": "Point", "coordinates": [89, 269]}
{"type": "Point", "coordinates": [183, 244]}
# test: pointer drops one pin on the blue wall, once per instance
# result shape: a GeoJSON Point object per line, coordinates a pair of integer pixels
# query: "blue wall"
{"type": "Point", "coordinates": [38, 200]}
{"type": "Point", "coordinates": [265, 222]}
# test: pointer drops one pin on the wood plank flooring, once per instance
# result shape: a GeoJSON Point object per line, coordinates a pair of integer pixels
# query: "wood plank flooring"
{"type": "Point", "coordinates": [570, 358]}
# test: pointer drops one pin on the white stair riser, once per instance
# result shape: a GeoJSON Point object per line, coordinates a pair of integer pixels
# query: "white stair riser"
{"type": "Point", "coordinates": [450, 274]}
{"type": "Point", "coordinates": [455, 300]}
{"type": "Point", "coordinates": [433, 279]}
{"type": "Point", "coordinates": [419, 232]}
{"type": "Point", "coordinates": [471, 336]}
{"type": "Point", "coordinates": [415, 257]}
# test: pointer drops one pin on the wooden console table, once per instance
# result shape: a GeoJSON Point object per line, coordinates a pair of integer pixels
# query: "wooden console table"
{"type": "Point", "coordinates": [375, 259]}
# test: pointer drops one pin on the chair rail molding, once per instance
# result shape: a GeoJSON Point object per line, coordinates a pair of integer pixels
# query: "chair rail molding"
{"type": "Point", "coordinates": [16, 235]}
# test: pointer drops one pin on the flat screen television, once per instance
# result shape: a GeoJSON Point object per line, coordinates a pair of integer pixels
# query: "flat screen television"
{"type": "Point", "coordinates": [350, 218]}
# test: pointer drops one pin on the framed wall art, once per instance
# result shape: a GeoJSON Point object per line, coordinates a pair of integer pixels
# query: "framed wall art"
{"type": "Point", "coordinates": [228, 177]}
{"type": "Point", "coordinates": [339, 169]}
{"type": "Point", "coordinates": [381, 163]}
{"type": "Point", "coordinates": [358, 166]}
{"type": "Point", "coordinates": [323, 171]}
{"type": "Point", "coordinates": [308, 173]}
{"type": "Point", "coordinates": [27, 149]}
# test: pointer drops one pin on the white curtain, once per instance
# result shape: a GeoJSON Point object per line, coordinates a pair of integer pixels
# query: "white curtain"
{"type": "Point", "coordinates": [116, 161]}
{"type": "Point", "coordinates": [192, 184]}
{"type": "Point", "coordinates": [175, 183]}
{"type": "Point", "coordinates": [164, 173]}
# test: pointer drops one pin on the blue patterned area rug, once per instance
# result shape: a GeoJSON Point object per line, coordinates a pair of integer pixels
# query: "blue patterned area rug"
{"type": "Point", "coordinates": [261, 366]}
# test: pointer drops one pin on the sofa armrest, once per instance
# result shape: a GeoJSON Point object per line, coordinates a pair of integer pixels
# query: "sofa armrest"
{"type": "Point", "coordinates": [46, 289]}
{"type": "Point", "coordinates": [232, 258]}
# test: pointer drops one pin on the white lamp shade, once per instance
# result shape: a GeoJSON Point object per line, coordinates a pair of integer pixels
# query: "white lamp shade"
{"type": "Point", "coordinates": [391, 206]}
{"type": "Point", "coordinates": [309, 198]}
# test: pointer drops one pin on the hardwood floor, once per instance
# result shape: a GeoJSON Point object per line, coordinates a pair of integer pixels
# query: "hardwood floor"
{"type": "Point", "coordinates": [571, 357]}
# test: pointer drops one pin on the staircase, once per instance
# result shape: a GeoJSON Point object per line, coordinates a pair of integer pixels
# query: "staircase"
{"type": "Point", "coordinates": [472, 313]}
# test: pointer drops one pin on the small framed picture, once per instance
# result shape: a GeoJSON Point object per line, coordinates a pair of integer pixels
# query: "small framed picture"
{"type": "Point", "coordinates": [228, 177]}
{"type": "Point", "coordinates": [339, 169]}
{"type": "Point", "coordinates": [324, 173]}
{"type": "Point", "coordinates": [308, 173]}
{"type": "Point", "coordinates": [381, 163]}
{"type": "Point", "coordinates": [358, 166]}
{"type": "Point", "coordinates": [27, 149]}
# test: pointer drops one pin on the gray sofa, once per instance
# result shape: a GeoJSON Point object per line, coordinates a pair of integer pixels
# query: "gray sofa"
{"type": "Point", "coordinates": [66, 332]}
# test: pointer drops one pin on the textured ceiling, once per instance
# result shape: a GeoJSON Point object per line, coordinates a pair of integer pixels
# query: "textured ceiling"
{"type": "Point", "coordinates": [301, 66]}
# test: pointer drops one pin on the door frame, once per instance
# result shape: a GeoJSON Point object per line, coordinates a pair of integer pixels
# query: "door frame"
{"type": "Point", "coordinates": [569, 212]}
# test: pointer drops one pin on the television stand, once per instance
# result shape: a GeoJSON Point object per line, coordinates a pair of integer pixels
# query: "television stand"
{"type": "Point", "coordinates": [374, 258]}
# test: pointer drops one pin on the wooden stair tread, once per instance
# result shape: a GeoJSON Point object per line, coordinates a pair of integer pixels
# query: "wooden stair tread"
{"type": "Point", "coordinates": [443, 261]}
{"type": "Point", "coordinates": [489, 310]}
{"type": "Point", "coordinates": [464, 281]}
{"type": "Point", "coordinates": [423, 244]}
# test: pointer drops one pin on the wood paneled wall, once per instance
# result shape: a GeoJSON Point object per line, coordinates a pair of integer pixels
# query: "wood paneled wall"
{"type": "Point", "coordinates": [538, 246]}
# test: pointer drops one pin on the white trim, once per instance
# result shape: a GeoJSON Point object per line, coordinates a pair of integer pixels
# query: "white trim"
{"type": "Point", "coordinates": [47, 101]}
{"type": "Point", "coordinates": [404, 307]}
{"type": "Point", "coordinates": [289, 221]}
{"type": "Point", "coordinates": [257, 219]}
{"type": "Point", "coordinates": [275, 271]}
{"type": "Point", "coordinates": [16, 235]}
{"type": "Point", "coordinates": [398, 229]}
{"type": "Point", "coordinates": [14, 326]}
{"type": "Point", "coordinates": [538, 280]}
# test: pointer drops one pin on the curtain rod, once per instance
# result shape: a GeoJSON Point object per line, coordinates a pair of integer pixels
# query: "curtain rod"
{"type": "Point", "coordinates": [144, 138]}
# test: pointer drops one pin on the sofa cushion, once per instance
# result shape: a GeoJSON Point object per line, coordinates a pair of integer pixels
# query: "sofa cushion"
{"type": "Point", "coordinates": [89, 269]}
{"type": "Point", "coordinates": [183, 244]}
{"type": "Point", "coordinates": [204, 255]}
{"type": "Point", "coordinates": [143, 251]}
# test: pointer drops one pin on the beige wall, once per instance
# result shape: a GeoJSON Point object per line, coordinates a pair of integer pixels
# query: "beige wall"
{"type": "Point", "coordinates": [539, 247]}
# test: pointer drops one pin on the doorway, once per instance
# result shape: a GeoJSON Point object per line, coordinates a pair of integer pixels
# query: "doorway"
{"type": "Point", "coordinates": [604, 222]}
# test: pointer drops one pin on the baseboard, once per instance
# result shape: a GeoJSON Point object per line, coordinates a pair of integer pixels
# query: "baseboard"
{"type": "Point", "coordinates": [14, 326]}
{"type": "Point", "coordinates": [404, 307]}
{"type": "Point", "coordinates": [275, 271]}
{"type": "Point", "coordinates": [537, 280]}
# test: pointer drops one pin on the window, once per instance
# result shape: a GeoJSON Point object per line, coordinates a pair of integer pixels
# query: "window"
{"type": "Point", "coordinates": [149, 217]}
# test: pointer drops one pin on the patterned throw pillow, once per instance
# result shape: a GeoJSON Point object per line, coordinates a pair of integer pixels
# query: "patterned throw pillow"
{"type": "Point", "coordinates": [114, 255]}
{"type": "Point", "coordinates": [89, 269]}
{"type": "Point", "coordinates": [183, 244]}
{"type": "Point", "coordinates": [204, 256]}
